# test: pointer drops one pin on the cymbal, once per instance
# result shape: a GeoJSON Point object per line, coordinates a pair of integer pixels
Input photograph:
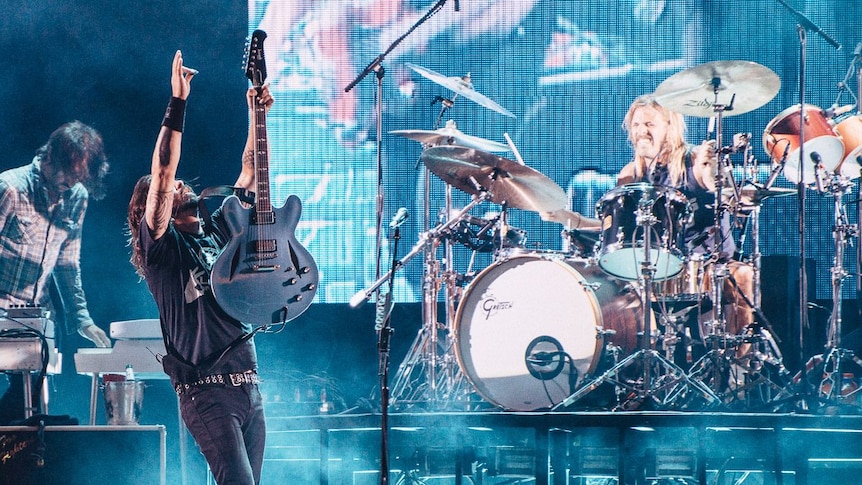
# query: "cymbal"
{"type": "Point", "coordinates": [507, 181]}
{"type": "Point", "coordinates": [451, 135]}
{"type": "Point", "coordinates": [692, 92]}
{"type": "Point", "coordinates": [571, 219]}
{"type": "Point", "coordinates": [461, 86]}
{"type": "Point", "coordinates": [752, 195]}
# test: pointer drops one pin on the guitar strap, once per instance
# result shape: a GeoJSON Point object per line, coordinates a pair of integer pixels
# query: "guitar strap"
{"type": "Point", "coordinates": [221, 192]}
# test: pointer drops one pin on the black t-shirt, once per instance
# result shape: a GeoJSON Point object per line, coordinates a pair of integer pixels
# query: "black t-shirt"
{"type": "Point", "coordinates": [177, 268]}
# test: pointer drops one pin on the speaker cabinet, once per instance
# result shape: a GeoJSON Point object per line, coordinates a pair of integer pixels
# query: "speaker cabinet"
{"type": "Point", "coordinates": [58, 455]}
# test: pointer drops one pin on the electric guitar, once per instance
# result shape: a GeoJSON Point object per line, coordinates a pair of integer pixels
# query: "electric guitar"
{"type": "Point", "coordinates": [263, 275]}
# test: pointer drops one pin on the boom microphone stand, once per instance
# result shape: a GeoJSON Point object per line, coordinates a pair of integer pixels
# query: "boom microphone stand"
{"type": "Point", "coordinates": [802, 27]}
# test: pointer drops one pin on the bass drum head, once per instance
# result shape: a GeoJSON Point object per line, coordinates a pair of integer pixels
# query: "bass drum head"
{"type": "Point", "coordinates": [526, 332]}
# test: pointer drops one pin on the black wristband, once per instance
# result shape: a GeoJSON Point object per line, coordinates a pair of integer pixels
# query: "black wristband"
{"type": "Point", "coordinates": [175, 115]}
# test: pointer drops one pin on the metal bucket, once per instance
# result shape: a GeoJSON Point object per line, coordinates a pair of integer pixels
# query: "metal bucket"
{"type": "Point", "coordinates": [123, 401]}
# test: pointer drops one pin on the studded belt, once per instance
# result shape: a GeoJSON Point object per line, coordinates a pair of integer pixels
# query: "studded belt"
{"type": "Point", "coordinates": [234, 379]}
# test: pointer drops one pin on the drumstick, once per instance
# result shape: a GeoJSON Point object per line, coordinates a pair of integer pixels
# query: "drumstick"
{"type": "Point", "coordinates": [514, 148]}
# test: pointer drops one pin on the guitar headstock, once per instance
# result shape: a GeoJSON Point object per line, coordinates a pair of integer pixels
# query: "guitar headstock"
{"type": "Point", "coordinates": [255, 65]}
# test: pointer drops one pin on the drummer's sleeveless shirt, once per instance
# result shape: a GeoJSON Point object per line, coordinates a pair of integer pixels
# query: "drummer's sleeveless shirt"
{"type": "Point", "coordinates": [699, 233]}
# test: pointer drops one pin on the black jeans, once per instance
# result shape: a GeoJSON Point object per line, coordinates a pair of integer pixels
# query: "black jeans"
{"type": "Point", "coordinates": [228, 424]}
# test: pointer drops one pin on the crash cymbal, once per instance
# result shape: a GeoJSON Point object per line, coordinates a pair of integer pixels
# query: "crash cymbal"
{"type": "Point", "coordinates": [571, 219]}
{"type": "Point", "coordinates": [507, 181]}
{"type": "Point", "coordinates": [451, 135]}
{"type": "Point", "coordinates": [692, 92]}
{"type": "Point", "coordinates": [461, 86]}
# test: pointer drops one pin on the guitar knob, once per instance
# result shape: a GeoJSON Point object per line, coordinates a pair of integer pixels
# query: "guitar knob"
{"type": "Point", "coordinates": [310, 287]}
{"type": "Point", "coordinates": [292, 281]}
{"type": "Point", "coordinates": [304, 270]}
{"type": "Point", "coordinates": [297, 298]}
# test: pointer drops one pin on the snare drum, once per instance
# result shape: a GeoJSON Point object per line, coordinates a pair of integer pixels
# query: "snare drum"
{"type": "Point", "coordinates": [690, 285]}
{"type": "Point", "coordinates": [782, 136]}
{"type": "Point", "coordinates": [622, 244]}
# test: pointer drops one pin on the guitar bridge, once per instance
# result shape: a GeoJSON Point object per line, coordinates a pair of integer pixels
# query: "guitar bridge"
{"type": "Point", "coordinates": [268, 268]}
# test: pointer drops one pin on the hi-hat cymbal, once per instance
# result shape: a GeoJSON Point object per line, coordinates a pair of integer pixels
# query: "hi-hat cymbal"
{"type": "Point", "coordinates": [461, 86]}
{"type": "Point", "coordinates": [752, 195]}
{"type": "Point", "coordinates": [507, 181]}
{"type": "Point", "coordinates": [571, 219]}
{"type": "Point", "coordinates": [696, 90]}
{"type": "Point", "coordinates": [451, 135]}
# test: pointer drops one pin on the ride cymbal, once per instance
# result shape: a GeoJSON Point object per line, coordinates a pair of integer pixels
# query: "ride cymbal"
{"type": "Point", "coordinates": [461, 86]}
{"type": "Point", "coordinates": [507, 182]}
{"type": "Point", "coordinates": [695, 91]}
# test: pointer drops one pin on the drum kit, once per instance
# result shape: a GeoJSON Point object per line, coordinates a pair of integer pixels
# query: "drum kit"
{"type": "Point", "coordinates": [605, 323]}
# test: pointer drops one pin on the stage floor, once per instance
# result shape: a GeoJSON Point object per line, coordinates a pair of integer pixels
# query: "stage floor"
{"type": "Point", "coordinates": [567, 448]}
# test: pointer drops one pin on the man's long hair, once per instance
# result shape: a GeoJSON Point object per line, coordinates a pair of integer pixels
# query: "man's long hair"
{"type": "Point", "coordinates": [78, 149]}
{"type": "Point", "coordinates": [137, 208]}
{"type": "Point", "coordinates": [675, 148]}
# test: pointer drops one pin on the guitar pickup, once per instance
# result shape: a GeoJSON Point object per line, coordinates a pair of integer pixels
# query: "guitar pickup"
{"type": "Point", "coordinates": [264, 246]}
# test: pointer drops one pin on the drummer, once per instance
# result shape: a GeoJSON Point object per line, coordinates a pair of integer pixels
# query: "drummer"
{"type": "Point", "coordinates": [662, 157]}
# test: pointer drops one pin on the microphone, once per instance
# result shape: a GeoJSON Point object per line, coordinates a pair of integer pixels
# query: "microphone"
{"type": "Point", "coordinates": [830, 111]}
{"type": "Point", "coordinates": [815, 157]}
{"type": "Point", "coordinates": [808, 24]}
{"type": "Point", "coordinates": [358, 298]}
{"type": "Point", "coordinates": [399, 218]}
{"type": "Point", "coordinates": [777, 169]}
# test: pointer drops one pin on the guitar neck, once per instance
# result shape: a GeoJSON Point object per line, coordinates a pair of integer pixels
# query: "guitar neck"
{"type": "Point", "coordinates": [263, 204]}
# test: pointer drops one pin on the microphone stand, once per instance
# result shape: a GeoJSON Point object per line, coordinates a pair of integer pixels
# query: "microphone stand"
{"type": "Point", "coordinates": [384, 332]}
{"type": "Point", "coordinates": [376, 66]}
{"type": "Point", "coordinates": [804, 25]}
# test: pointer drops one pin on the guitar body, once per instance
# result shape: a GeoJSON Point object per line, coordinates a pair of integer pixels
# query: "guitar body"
{"type": "Point", "coordinates": [264, 275]}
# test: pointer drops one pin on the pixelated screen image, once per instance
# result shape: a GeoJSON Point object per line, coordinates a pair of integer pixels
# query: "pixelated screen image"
{"type": "Point", "coordinates": [554, 77]}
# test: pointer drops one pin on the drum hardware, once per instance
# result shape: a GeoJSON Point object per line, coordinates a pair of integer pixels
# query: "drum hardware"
{"type": "Point", "coordinates": [836, 359]}
{"type": "Point", "coordinates": [425, 352]}
{"type": "Point", "coordinates": [662, 383]}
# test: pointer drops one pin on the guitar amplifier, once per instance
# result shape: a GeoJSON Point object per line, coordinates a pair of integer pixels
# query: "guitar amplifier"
{"type": "Point", "coordinates": [21, 339]}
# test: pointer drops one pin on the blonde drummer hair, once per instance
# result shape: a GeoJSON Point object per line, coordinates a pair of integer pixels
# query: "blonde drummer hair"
{"type": "Point", "coordinates": [675, 148]}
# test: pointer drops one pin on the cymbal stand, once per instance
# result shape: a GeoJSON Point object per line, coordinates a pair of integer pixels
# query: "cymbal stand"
{"type": "Point", "coordinates": [662, 383]}
{"type": "Point", "coordinates": [418, 378]}
{"type": "Point", "coordinates": [715, 360]}
{"type": "Point", "coordinates": [836, 357]}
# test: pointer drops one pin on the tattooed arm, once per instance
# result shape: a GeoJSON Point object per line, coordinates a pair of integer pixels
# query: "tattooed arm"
{"type": "Point", "coordinates": [166, 155]}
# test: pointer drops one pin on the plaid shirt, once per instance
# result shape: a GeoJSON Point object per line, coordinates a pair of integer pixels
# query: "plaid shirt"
{"type": "Point", "coordinates": [39, 243]}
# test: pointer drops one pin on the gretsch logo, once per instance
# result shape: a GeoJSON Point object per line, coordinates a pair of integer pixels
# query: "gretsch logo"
{"type": "Point", "coordinates": [491, 306]}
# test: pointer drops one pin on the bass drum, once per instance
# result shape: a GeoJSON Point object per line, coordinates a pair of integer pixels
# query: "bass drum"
{"type": "Point", "coordinates": [529, 328]}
